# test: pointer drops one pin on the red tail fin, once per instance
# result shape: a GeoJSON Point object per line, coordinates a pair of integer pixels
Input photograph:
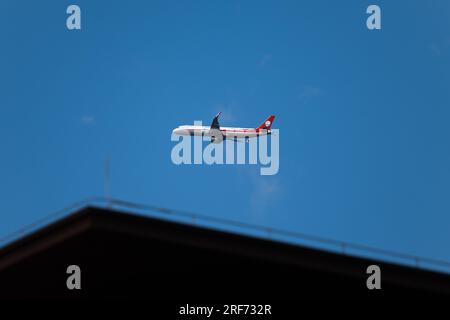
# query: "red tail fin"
{"type": "Point", "coordinates": [266, 124]}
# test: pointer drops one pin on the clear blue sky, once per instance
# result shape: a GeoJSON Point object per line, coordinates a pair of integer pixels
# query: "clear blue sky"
{"type": "Point", "coordinates": [363, 115]}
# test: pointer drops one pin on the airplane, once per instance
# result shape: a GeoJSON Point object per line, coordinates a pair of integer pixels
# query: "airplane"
{"type": "Point", "coordinates": [219, 133]}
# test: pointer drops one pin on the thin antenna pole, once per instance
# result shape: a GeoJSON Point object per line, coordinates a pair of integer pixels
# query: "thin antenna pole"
{"type": "Point", "coordinates": [107, 183]}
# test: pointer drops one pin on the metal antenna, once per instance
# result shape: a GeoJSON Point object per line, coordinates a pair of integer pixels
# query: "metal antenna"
{"type": "Point", "coordinates": [107, 183]}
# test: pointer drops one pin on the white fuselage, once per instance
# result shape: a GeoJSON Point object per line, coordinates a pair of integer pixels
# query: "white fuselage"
{"type": "Point", "coordinates": [227, 132]}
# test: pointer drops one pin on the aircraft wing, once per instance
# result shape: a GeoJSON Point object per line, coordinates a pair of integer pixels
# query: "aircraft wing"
{"type": "Point", "coordinates": [215, 122]}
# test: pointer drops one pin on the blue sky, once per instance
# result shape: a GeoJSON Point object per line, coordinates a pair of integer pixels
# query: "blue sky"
{"type": "Point", "coordinates": [363, 115]}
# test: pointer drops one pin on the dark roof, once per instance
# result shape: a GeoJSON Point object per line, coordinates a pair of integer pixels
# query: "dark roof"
{"type": "Point", "coordinates": [126, 255]}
